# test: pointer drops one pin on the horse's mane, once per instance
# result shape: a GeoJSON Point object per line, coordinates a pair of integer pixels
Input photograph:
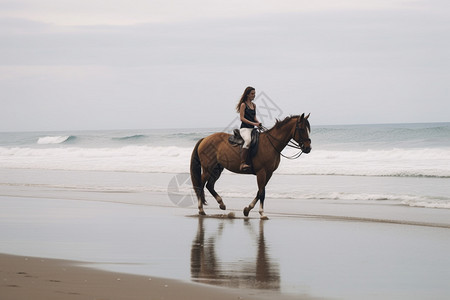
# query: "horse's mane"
{"type": "Point", "coordinates": [281, 123]}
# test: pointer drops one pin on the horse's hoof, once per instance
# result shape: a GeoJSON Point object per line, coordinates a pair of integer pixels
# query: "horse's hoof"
{"type": "Point", "coordinates": [223, 206]}
{"type": "Point", "coordinates": [246, 211]}
{"type": "Point", "coordinates": [264, 218]}
{"type": "Point", "coordinates": [202, 213]}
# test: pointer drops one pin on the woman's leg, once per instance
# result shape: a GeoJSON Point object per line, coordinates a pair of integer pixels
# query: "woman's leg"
{"type": "Point", "coordinates": [246, 134]}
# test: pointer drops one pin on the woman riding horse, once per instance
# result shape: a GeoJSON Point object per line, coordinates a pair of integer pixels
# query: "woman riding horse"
{"type": "Point", "coordinates": [214, 153]}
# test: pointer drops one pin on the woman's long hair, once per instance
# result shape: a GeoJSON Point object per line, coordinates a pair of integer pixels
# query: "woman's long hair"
{"type": "Point", "coordinates": [244, 96]}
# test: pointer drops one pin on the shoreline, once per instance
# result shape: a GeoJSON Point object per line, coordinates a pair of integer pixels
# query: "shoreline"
{"type": "Point", "coordinates": [44, 278]}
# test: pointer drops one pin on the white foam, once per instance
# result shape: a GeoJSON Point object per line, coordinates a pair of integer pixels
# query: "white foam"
{"type": "Point", "coordinates": [124, 159]}
{"type": "Point", "coordinates": [397, 162]}
{"type": "Point", "coordinates": [427, 203]}
{"type": "Point", "coordinates": [52, 140]}
{"type": "Point", "coordinates": [343, 197]}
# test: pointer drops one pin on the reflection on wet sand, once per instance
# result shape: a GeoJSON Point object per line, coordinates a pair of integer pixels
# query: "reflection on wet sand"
{"type": "Point", "coordinates": [225, 266]}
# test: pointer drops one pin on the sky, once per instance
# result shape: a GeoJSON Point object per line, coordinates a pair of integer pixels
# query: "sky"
{"type": "Point", "coordinates": [142, 64]}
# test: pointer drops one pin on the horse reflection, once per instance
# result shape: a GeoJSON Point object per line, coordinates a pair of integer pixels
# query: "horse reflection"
{"type": "Point", "coordinates": [207, 267]}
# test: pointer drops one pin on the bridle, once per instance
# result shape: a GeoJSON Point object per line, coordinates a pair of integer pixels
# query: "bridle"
{"type": "Point", "coordinates": [292, 142]}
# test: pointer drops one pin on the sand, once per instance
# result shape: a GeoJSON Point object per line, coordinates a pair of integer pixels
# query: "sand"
{"type": "Point", "coordinates": [42, 278]}
{"type": "Point", "coordinates": [327, 251]}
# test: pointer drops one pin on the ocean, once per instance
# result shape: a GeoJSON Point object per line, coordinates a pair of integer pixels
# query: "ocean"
{"type": "Point", "coordinates": [401, 164]}
{"type": "Point", "coordinates": [364, 215]}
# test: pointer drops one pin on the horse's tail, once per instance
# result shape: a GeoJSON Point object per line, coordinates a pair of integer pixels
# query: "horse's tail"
{"type": "Point", "coordinates": [196, 174]}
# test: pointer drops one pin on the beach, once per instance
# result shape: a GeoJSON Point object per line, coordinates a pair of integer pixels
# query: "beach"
{"type": "Point", "coordinates": [306, 255]}
{"type": "Point", "coordinates": [42, 278]}
{"type": "Point", "coordinates": [118, 212]}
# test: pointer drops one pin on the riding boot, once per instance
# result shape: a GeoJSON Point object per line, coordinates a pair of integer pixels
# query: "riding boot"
{"type": "Point", "coordinates": [244, 154]}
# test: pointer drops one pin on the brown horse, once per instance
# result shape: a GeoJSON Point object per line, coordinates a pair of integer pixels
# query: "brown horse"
{"type": "Point", "coordinates": [214, 153]}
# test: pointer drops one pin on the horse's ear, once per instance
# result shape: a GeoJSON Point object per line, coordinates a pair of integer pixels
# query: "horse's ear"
{"type": "Point", "coordinates": [301, 118]}
{"type": "Point", "coordinates": [307, 116]}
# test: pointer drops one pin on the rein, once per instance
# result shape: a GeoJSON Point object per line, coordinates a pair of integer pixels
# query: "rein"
{"type": "Point", "coordinates": [291, 143]}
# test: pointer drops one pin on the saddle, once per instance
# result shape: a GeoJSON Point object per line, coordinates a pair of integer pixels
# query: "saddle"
{"type": "Point", "coordinates": [236, 140]}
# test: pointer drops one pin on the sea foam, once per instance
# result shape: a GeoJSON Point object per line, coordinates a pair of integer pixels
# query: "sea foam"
{"type": "Point", "coordinates": [172, 159]}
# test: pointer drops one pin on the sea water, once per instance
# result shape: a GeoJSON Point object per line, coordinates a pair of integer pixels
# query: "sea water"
{"type": "Point", "coordinates": [365, 215]}
{"type": "Point", "coordinates": [407, 164]}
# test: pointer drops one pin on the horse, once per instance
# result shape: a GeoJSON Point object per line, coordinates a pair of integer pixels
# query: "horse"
{"type": "Point", "coordinates": [214, 153]}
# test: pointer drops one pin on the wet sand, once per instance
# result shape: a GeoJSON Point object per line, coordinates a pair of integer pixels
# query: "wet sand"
{"type": "Point", "coordinates": [327, 251]}
{"type": "Point", "coordinates": [47, 279]}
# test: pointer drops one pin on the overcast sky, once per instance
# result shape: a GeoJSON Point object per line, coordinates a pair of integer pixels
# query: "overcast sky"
{"type": "Point", "coordinates": [116, 64]}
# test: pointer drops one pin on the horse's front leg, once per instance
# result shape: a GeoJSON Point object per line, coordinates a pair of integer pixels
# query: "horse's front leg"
{"type": "Point", "coordinates": [251, 205]}
{"type": "Point", "coordinates": [262, 182]}
{"type": "Point", "coordinates": [261, 195]}
{"type": "Point", "coordinates": [261, 205]}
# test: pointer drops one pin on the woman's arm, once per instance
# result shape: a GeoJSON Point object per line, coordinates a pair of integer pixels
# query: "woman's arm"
{"type": "Point", "coordinates": [258, 123]}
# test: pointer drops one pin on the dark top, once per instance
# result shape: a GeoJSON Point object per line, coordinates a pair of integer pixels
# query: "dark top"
{"type": "Point", "coordinates": [249, 114]}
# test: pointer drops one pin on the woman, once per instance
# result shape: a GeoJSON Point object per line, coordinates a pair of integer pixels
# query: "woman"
{"type": "Point", "coordinates": [247, 111]}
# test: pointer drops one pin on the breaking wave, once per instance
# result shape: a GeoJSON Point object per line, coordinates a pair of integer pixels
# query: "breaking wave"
{"type": "Point", "coordinates": [46, 140]}
{"type": "Point", "coordinates": [131, 137]}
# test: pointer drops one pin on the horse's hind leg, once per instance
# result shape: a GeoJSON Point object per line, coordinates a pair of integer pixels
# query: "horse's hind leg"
{"type": "Point", "coordinates": [201, 200]}
{"type": "Point", "coordinates": [214, 175]}
{"type": "Point", "coordinates": [201, 197]}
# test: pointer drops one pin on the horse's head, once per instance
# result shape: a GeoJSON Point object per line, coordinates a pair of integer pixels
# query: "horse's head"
{"type": "Point", "coordinates": [301, 133]}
